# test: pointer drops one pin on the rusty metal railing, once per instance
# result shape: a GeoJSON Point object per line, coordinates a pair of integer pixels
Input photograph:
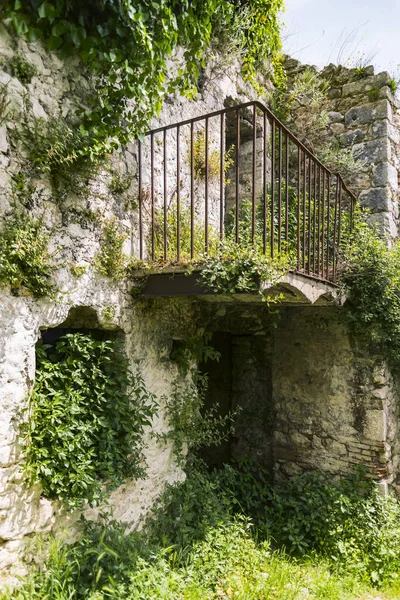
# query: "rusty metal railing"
{"type": "Point", "coordinates": [239, 173]}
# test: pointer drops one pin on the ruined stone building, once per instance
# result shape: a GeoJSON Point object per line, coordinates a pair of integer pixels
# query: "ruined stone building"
{"type": "Point", "coordinates": [312, 397]}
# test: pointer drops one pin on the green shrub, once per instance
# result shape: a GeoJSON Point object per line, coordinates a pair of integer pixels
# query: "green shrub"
{"type": "Point", "coordinates": [86, 418]}
{"type": "Point", "coordinates": [24, 254]}
{"type": "Point", "coordinates": [370, 268]}
{"type": "Point", "coordinates": [199, 544]}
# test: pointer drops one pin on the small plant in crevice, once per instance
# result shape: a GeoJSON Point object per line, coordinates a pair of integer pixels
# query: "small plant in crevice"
{"type": "Point", "coordinates": [120, 183]}
{"type": "Point", "coordinates": [20, 68]}
{"type": "Point", "coordinates": [25, 260]}
{"type": "Point", "coordinates": [86, 418]}
{"type": "Point", "coordinates": [108, 312]}
{"type": "Point", "coordinates": [55, 148]}
{"type": "Point", "coordinates": [341, 160]}
{"type": "Point", "coordinates": [77, 270]}
{"type": "Point", "coordinates": [5, 103]}
{"type": "Point", "coordinates": [214, 159]}
{"type": "Point", "coordinates": [191, 426]}
{"type": "Point", "coordinates": [22, 189]}
{"type": "Point", "coordinates": [374, 94]}
{"type": "Point", "coordinates": [394, 85]}
{"type": "Point", "coordinates": [361, 72]}
{"type": "Point", "coordinates": [111, 260]}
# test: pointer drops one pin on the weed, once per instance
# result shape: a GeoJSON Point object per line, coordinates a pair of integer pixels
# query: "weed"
{"type": "Point", "coordinates": [374, 94]}
{"type": "Point", "coordinates": [393, 85]}
{"type": "Point", "coordinates": [4, 103]}
{"type": "Point", "coordinates": [25, 260]}
{"type": "Point", "coordinates": [108, 312]}
{"type": "Point", "coordinates": [361, 72]}
{"type": "Point", "coordinates": [20, 68]}
{"type": "Point", "coordinates": [77, 270]}
{"type": "Point", "coordinates": [120, 183]}
{"type": "Point", "coordinates": [213, 164]}
{"type": "Point", "coordinates": [111, 260]}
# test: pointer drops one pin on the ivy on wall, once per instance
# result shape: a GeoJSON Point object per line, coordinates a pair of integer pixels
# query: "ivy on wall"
{"type": "Point", "coordinates": [126, 45]}
{"type": "Point", "coordinates": [86, 420]}
{"type": "Point", "coordinates": [370, 271]}
{"type": "Point", "coordinates": [25, 259]}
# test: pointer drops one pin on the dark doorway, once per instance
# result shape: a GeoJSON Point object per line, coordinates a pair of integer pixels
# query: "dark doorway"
{"type": "Point", "coordinates": [242, 378]}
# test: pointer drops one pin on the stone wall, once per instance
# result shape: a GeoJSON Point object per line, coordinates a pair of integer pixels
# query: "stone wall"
{"type": "Point", "coordinates": [75, 220]}
{"type": "Point", "coordinates": [362, 115]}
{"type": "Point", "coordinates": [335, 405]}
{"type": "Point", "coordinates": [312, 396]}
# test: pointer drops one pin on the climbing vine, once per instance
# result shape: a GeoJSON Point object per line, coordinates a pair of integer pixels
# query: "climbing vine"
{"type": "Point", "coordinates": [127, 46]}
{"type": "Point", "coordinates": [86, 419]}
{"type": "Point", "coordinates": [370, 269]}
{"type": "Point", "coordinates": [191, 425]}
{"type": "Point", "coordinates": [25, 259]}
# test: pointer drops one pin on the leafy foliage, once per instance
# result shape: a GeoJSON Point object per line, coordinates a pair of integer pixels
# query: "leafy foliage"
{"type": "Point", "coordinates": [240, 266]}
{"type": "Point", "coordinates": [370, 269]}
{"type": "Point", "coordinates": [126, 45]}
{"type": "Point", "coordinates": [191, 426]}
{"type": "Point", "coordinates": [199, 543]}
{"type": "Point", "coordinates": [86, 419]}
{"type": "Point", "coordinates": [24, 254]}
{"type": "Point", "coordinates": [54, 146]}
{"type": "Point", "coordinates": [111, 260]}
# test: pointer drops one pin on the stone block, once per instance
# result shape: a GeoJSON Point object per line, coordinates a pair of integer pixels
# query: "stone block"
{"type": "Point", "coordinates": [353, 137]}
{"type": "Point", "coordinates": [375, 425]}
{"type": "Point", "coordinates": [385, 222]}
{"type": "Point", "coordinates": [377, 199]}
{"type": "Point", "coordinates": [334, 93]}
{"type": "Point", "coordinates": [375, 151]}
{"type": "Point", "coordinates": [337, 128]}
{"type": "Point", "coordinates": [335, 117]}
{"type": "Point", "coordinates": [359, 115]}
{"type": "Point", "coordinates": [383, 110]}
{"type": "Point", "coordinates": [3, 140]}
{"type": "Point", "coordinates": [385, 174]}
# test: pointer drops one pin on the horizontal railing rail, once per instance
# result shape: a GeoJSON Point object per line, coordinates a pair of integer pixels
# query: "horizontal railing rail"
{"type": "Point", "coordinates": [239, 173]}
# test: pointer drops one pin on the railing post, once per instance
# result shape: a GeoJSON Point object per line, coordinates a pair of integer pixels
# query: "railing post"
{"type": "Point", "coordinates": [222, 176]}
{"type": "Point", "coordinates": [253, 189]}
{"type": "Point", "coordinates": [140, 200]}
{"type": "Point", "coordinates": [178, 194]}
{"type": "Point", "coordinates": [165, 195]}
{"type": "Point", "coordinates": [237, 173]}
{"type": "Point", "coordinates": [272, 187]}
{"type": "Point", "coordinates": [192, 190]}
{"type": "Point", "coordinates": [152, 196]}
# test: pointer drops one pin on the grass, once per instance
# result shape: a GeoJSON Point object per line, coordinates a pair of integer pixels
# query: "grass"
{"type": "Point", "coordinates": [209, 540]}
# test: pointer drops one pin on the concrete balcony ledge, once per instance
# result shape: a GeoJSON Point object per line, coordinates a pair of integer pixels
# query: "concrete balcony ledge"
{"type": "Point", "coordinates": [293, 288]}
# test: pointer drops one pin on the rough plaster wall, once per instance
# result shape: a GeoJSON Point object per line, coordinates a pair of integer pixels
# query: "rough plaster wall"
{"type": "Point", "coordinates": [52, 93]}
{"type": "Point", "coordinates": [362, 116]}
{"type": "Point", "coordinates": [335, 406]}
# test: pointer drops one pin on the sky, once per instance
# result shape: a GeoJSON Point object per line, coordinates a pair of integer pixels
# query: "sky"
{"type": "Point", "coordinates": [347, 31]}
